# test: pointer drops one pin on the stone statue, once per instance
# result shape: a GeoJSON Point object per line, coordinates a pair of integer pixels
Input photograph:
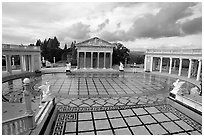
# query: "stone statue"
{"type": "Point", "coordinates": [194, 90]}
{"type": "Point", "coordinates": [68, 67]}
{"type": "Point", "coordinates": [121, 67]}
{"type": "Point", "coordinates": [177, 86]}
{"type": "Point", "coordinates": [45, 90]}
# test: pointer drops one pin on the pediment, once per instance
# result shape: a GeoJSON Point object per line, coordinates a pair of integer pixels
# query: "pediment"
{"type": "Point", "coordinates": [95, 42]}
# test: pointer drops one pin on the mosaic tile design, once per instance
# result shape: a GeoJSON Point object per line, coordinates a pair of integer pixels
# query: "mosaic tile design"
{"type": "Point", "coordinates": [145, 119]}
{"type": "Point", "coordinates": [110, 100]}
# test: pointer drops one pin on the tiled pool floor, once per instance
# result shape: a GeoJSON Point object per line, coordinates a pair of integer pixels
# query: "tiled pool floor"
{"type": "Point", "coordinates": [151, 119]}
{"type": "Point", "coordinates": [138, 84]}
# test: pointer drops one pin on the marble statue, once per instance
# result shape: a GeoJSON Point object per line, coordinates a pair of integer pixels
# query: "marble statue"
{"type": "Point", "coordinates": [177, 86]}
{"type": "Point", "coordinates": [45, 90]}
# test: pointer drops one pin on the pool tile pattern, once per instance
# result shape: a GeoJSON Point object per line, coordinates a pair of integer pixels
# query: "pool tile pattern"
{"type": "Point", "coordinates": [125, 121]}
{"type": "Point", "coordinates": [133, 105]}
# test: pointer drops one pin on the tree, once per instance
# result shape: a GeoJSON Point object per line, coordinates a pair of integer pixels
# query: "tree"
{"type": "Point", "coordinates": [43, 47]}
{"type": "Point", "coordinates": [74, 53]}
{"type": "Point", "coordinates": [31, 45]}
{"type": "Point", "coordinates": [120, 54]}
{"type": "Point", "coordinates": [65, 46]}
{"type": "Point", "coordinates": [38, 43]}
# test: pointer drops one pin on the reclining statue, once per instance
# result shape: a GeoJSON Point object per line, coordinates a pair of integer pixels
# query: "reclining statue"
{"type": "Point", "coordinates": [177, 86]}
{"type": "Point", "coordinates": [194, 91]}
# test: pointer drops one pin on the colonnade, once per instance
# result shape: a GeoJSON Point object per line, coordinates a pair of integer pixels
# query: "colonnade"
{"type": "Point", "coordinates": [150, 59]}
{"type": "Point", "coordinates": [30, 58]}
{"type": "Point", "coordinates": [27, 63]}
{"type": "Point", "coordinates": [94, 61]}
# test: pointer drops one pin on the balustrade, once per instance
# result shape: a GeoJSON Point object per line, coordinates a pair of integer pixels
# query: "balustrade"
{"type": "Point", "coordinates": [23, 124]}
{"type": "Point", "coordinates": [16, 126]}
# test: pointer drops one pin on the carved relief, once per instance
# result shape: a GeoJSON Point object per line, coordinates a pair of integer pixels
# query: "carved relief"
{"type": "Point", "coordinates": [95, 42]}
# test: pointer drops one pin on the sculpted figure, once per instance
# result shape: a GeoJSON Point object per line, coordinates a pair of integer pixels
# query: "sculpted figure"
{"type": "Point", "coordinates": [177, 86]}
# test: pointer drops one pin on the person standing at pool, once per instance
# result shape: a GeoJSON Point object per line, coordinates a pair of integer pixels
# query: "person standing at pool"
{"type": "Point", "coordinates": [68, 67]}
{"type": "Point", "coordinates": [134, 68]}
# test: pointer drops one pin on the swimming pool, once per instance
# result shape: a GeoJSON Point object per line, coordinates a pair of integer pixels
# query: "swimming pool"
{"type": "Point", "coordinates": [80, 97]}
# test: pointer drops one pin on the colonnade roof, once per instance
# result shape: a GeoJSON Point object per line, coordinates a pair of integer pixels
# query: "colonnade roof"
{"type": "Point", "coordinates": [95, 42]}
{"type": "Point", "coordinates": [175, 52]}
{"type": "Point", "coordinates": [11, 49]}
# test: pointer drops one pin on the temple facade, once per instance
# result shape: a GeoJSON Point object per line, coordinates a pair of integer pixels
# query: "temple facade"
{"type": "Point", "coordinates": [182, 62]}
{"type": "Point", "coordinates": [94, 53]}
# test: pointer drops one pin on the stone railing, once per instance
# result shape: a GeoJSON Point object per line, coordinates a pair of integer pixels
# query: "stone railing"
{"type": "Point", "coordinates": [20, 47]}
{"type": "Point", "coordinates": [17, 126]}
{"type": "Point", "coordinates": [30, 123]}
{"type": "Point", "coordinates": [175, 51]}
{"type": "Point", "coordinates": [23, 124]}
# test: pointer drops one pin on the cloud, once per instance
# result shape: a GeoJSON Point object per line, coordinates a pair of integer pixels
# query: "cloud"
{"type": "Point", "coordinates": [118, 25]}
{"type": "Point", "coordinates": [102, 25]}
{"type": "Point", "coordinates": [163, 24]}
{"type": "Point", "coordinates": [187, 41]}
{"type": "Point", "coordinates": [112, 21]}
{"type": "Point", "coordinates": [77, 31]}
{"type": "Point", "coordinates": [192, 27]}
{"type": "Point", "coordinates": [113, 36]}
{"type": "Point", "coordinates": [18, 39]}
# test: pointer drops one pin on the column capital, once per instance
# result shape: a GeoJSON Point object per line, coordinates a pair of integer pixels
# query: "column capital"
{"type": "Point", "coordinates": [190, 59]}
{"type": "Point", "coordinates": [199, 60]}
{"type": "Point", "coordinates": [170, 58]}
{"type": "Point", "coordinates": [161, 57]}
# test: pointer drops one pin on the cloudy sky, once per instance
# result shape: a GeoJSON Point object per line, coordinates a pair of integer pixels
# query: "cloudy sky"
{"type": "Point", "coordinates": [136, 25]}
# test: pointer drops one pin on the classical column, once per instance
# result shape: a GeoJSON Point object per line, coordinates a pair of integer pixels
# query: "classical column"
{"type": "Point", "coordinates": [32, 57]}
{"type": "Point", "coordinates": [22, 63]}
{"type": "Point", "coordinates": [160, 67]}
{"type": "Point", "coordinates": [189, 69]}
{"type": "Point", "coordinates": [111, 54]}
{"type": "Point", "coordinates": [98, 59]}
{"type": "Point", "coordinates": [77, 59]}
{"type": "Point", "coordinates": [39, 62]}
{"type": "Point", "coordinates": [180, 66]}
{"type": "Point", "coordinates": [30, 63]}
{"type": "Point", "coordinates": [170, 66]}
{"type": "Point", "coordinates": [84, 60]}
{"type": "Point", "coordinates": [91, 60]}
{"type": "Point", "coordinates": [8, 64]}
{"type": "Point", "coordinates": [145, 63]}
{"type": "Point", "coordinates": [104, 60]}
{"type": "Point", "coordinates": [26, 63]}
{"type": "Point", "coordinates": [199, 69]}
{"type": "Point", "coordinates": [151, 62]}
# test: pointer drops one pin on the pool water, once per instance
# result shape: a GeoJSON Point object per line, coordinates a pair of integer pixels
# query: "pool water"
{"type": "Point", "coordinates": [63, 85]}
{"type": "Point", "coordinates": [134, 104]}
